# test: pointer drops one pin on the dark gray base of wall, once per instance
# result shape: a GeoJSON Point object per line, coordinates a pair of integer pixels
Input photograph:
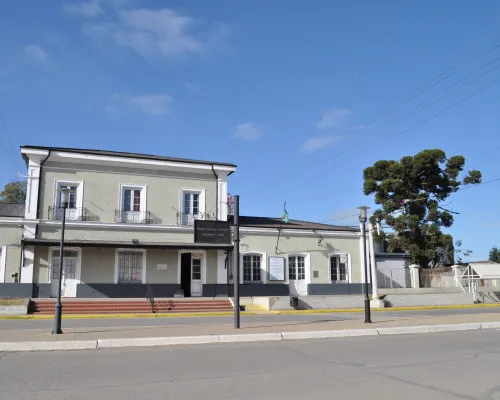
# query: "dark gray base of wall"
{"type": "Point", "coordinates": [41, 290]}
{"type": "Point", "coordinates": [16, 290]}
{"type": "Point", "coordinates": [325, 289]}
{"type": "Point", "coordinates": [24, 290]}
{"type": "Point", "coordinates": [221, 290]}
{"type": "Point", "coordinates": [132, 290]}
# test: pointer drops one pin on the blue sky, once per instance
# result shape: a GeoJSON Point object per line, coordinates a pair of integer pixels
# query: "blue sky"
{"type": "Point", "coordinates": [301, 95]}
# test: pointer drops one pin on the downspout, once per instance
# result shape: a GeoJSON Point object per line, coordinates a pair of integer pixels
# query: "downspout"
{"type": "Point", "coordinates": [39, 190]}
{"type": "Point", "coordinates": [216, 194]}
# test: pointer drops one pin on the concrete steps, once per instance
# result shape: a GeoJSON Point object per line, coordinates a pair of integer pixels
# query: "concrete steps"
{"type": "Point", "coordinates": [123, 306]}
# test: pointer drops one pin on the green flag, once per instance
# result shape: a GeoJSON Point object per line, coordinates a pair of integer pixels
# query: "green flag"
{"type": "Point", "coordinates": [284, 218]}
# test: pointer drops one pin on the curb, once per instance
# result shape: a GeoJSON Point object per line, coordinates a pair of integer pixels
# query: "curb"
{"type": "Point", "coordinates": [231, 313]}
{"type": "Point", "coordinates": [238, 338]}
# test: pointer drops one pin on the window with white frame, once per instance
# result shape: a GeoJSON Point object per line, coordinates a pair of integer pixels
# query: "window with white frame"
{"type": "Point", "coordinates": [252, 272]}
{"type": "Point", "coordinates": [339, 269]}
{"type": "Point", "coordinates": [192, 205]}
{"type": "Point", "coordinates": [130, 266]}
{"type": "Point", "coordinates": [132, 204]}
{"type": "Point", "coordinates": [75, 199]}
{"type": "Point", "coordinates": [70, 263]}
{"type": "Point", "coordinates": [296, 268]}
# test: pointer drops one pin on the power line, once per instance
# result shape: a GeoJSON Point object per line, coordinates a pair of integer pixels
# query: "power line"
{"type": "Point", "coordinates": [414, 126]}
{"type": "Point", "coordinates": [376, 116]}
{"type": "Point", "coordinates": [388, 126]}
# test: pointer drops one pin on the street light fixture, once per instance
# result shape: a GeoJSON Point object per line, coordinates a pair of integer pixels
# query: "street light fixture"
{"type": "Point", "coordinates": [63, 204]}
{"type": "Point", "coordinates": [363, 217]}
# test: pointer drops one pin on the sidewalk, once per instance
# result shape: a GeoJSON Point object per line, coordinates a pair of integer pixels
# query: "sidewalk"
{"type": "Point", "coordinates": [92, 338]}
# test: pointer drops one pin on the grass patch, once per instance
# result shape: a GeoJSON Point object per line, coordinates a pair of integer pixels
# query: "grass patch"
{"type": "Point", "coordinates": [11, 302]}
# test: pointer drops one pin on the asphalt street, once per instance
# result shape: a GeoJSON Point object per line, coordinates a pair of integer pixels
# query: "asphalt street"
{"type": "Point", "coordinates": [431, 366]}
{"type": "Point", "coordinates": [169, 321]}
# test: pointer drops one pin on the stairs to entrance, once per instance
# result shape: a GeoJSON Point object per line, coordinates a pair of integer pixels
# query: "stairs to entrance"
{"type": "Point", "coordinates": [130, 306]}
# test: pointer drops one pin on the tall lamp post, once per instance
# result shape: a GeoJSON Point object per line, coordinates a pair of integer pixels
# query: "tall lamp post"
{"type": "Point", "coordinates": [363, 217]}
{"type": "Point", "coordinates": [63, 203]}
{"type": "Point", "coordinates": [236, 251]}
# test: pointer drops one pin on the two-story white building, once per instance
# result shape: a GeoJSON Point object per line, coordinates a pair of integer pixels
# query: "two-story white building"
{"type": "Point", "coordinates": [129, 229]}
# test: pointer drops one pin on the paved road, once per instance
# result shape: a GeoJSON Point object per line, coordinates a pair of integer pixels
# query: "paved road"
{"type": "Point", "coordinates": [433, 366]}
{"type": "Point", "coordinates": [80, 323]}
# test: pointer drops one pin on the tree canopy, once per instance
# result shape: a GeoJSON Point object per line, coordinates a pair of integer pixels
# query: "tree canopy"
{"type": "Point", "coordinates": [416, 187]}
{"type": "Point", "coordinates": [495, 254]}
{"type": "Point", "coordinates": [14, 192]}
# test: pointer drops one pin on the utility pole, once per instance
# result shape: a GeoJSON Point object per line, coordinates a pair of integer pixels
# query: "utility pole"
{"type": "Point", "coordinates": [236, 251]}
{"type": "Point", "coordinates": [363, 217]}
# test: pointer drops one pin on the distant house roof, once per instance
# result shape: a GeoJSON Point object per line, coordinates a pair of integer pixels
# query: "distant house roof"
{"type": "Point", "coordinates": [482, 270]}
{"type": "Point", "coordinates": [267, 222]}
{"type": "Point", "coordinates": [11, 210]}
{"type": "Point", "coordinates": [127, 155]}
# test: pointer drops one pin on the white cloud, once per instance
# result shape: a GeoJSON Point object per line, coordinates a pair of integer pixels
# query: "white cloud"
{"type": "Point", "coordinates": [249, 131]}
{"type": "Point", "coordinates": [333, 118]}
{"type": "Point", "coordinates": [87, 9]}
{"type": "Point", "coordinates": [158, 33]}
{"type": "Point", "coordinates": [150, 104]}
{"type": "Point", "coordinates": [319, 142]}
{"type": "Point", "coordinates": [36, 53]}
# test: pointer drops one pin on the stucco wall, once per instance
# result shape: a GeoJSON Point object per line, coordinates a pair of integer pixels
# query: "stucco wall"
{"type": "Point", "coordinates": [101, 193]}
{"type": "Point", "coordinates": [41, 265]}
{"type": "Point", "coordinates": [10, 236]}
{"type": "Point", "coordinates": [318, 249]}
{"type": "Point", "coordinates": [98, 265]}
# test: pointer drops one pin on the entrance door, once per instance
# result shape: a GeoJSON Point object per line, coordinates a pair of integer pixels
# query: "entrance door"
{"type": "Point", "coordinates": [297, 275]}
{"type": "Point", "coordinates": [69, 277]}
{"type": "Point", "coordinates": [186, 274]}
{"type": "Point", "coordinates": [196, 286]}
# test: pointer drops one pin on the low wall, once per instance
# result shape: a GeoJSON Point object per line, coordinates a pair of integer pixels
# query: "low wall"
{"type": "Point", "coordinates": [430, 299]}
{"type": "Point", "coordinates": [416, 298]}
{"type": "Point", "coordinates": [131, 290]}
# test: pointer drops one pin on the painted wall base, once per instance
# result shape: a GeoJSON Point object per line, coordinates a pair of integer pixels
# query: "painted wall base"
{"type": "Point", "coordinates": [132, 290]}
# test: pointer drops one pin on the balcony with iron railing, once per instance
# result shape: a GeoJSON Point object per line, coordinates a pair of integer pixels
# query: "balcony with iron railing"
{"type": "Point", "coordinates": [72, 214]}
{"type": "Point", "coordinates": [189, 218]}
{"type": "Point", "coordinates": [136, 217]}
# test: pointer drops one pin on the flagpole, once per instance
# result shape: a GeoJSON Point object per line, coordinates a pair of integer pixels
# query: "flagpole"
{"type": "Point", "coordinates": [284, 218]}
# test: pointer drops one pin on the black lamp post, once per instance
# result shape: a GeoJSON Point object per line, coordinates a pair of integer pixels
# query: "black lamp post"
{"type": "Point", "coordinates": [63, 204]}
{"type": "Point", "coordinates": [363, 217]}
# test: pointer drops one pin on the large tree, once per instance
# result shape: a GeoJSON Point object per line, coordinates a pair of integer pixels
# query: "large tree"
{"type": "Point", "coordinates": [14, 192]}
{"type": "Point", "coordinates": [412, 193]}
{"type": "Point", "coordinates": [495, 254]}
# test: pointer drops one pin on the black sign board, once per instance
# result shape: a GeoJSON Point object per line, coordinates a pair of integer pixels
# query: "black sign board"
{"type": "Point", "coordinates": [218, 232]}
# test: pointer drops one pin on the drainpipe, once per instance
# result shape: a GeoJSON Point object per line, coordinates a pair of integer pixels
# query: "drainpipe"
{"type": "Point", "coordinates": [216, 193]}
{"type": "Point", "coordinates": [40, 190]}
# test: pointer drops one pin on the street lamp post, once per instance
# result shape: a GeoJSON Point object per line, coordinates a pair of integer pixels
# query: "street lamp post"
{"type": "Point", "coordinates": [363, 217]}
{"type": "Point", "coordinates": [63, 203]}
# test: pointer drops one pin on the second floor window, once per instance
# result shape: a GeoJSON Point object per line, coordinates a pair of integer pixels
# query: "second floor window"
{"type": "Point", "coordinates": [132, 204]}
{"type": "Point", "coordinates": [191, 203]}
{"type": "Point", "coordinates": [131, 200]}
{"type": "Point", "coordinates": [72, 196]}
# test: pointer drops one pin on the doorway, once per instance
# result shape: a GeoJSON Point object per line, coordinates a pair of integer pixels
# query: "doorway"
{"type": "Point", "coordinates": [186, 274]}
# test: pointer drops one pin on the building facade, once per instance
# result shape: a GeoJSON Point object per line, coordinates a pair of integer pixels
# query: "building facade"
{"type": "Point", "coordinates": [129, 230]}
